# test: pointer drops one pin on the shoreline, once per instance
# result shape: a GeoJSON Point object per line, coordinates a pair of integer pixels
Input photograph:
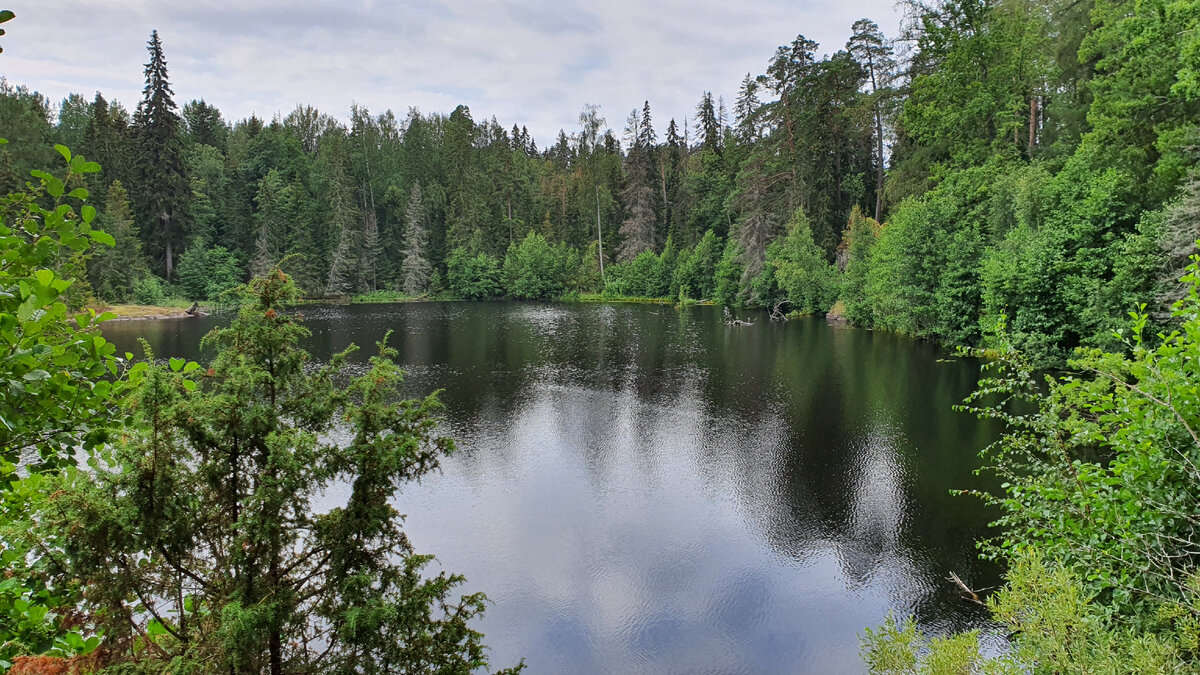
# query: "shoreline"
{"type": "Point", "coordinates": [147, 312]}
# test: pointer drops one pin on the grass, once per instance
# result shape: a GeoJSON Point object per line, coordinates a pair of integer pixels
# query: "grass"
{"type": "Point", "coordinates": [144, 311]}
{"type": "Point", "coordinates": [398, 296]}
{"type": "Point", "coordinates": [600, 297]}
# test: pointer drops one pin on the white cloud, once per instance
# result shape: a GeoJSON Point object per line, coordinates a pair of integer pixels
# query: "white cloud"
{"type": "Point", "coordinates": [532, 62]}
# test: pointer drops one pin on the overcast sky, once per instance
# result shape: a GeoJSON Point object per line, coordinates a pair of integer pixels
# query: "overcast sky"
{"type": "Point", "coordinates": [532, 62]}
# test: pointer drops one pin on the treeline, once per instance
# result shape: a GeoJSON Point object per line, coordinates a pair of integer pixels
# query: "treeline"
{"type": "Point", "coordinates": [1001, 159]}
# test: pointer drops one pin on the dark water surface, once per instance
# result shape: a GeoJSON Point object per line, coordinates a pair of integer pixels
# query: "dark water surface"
{"type": "Point", "coordinates": [641, 489]}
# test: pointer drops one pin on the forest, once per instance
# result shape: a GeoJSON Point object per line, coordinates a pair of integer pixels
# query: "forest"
{"type": "Point", "coordinates": [1014, 178]}
{"type": "Point", "coordinates": [1025, 162]}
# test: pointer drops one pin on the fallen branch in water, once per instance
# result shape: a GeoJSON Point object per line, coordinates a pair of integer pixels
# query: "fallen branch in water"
{"type": "Point", "coordinates": [971, 595]}
{"type": "Point", "coordinates": [730, 321]}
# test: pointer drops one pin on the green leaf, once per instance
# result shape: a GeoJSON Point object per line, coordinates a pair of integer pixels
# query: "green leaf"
{"type": "Point", "coordinates": [64, 151]}
{"type": "Point", "coordinates": [44, 277]}
{"type": "Point", "coordinates": [36, 375]}
{"type": "Point", "coordinates": [53, 185]}
{"type": "Point", "coordinates": [89, 167]}
{"type": "Point", "coordinates": [78, 193]}
{"type": "Point", "coordinates": [6, 15]}
{"type": "Point", "coordinates": [88, 212]}
{"type": "Point", "coordinates": [177, 364]}
{"type": "Point", "coordinates": [103, 237]}
{"type": "Point", "coordinates": [190, 385]}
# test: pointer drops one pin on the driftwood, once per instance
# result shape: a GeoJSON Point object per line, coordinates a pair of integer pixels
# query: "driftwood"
{"type": "Point", "coordinates": [194, 310]}
{"type": "Point", "coordinates": [967, 592]}
{"type": "Point", "coordinates": [731, 321]}
{"type": "Point", "coordinates": [777, 311]}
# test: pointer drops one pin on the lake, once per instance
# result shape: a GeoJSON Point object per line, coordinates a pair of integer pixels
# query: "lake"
{"type": "Point", "coordinates": [644, 489]}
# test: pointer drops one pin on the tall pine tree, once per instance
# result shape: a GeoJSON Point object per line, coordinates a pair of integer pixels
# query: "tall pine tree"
{"type": "Point", "coordinates": [417, 268]}
{"type": "Point", "coordinates": [162, 188]}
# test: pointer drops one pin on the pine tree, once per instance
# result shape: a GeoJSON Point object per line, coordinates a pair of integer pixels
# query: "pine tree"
{"type": "Point", "coordinates": [114, 271]}
{"type": "Point", "coordinates": [868, 46]}
{"type": "Point", "coordinates": [204, 124]}
{"type": "Point", "coordinates": [272, 223]}
{"type": "Point", "coordinates": [372, 248]}
{"type": "Point", "coordinates": [708, 126]}
{"type": "Point", "coordinates": [745, 111]}
{"type": "Point", "coordinates": [162, 187]}
{"type": "Point", "coordinates": [639, 227]}
{"type": "Point", "coordinates": [416, 268]}
{"type": "Point", "coordinates": [106, 139]}
{"type": "Point", "coordinates": [343, 268]}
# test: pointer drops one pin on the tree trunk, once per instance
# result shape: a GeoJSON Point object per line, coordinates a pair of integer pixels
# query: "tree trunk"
{"type": "Point", "coordinates": [1033, 117]}
{"type": "Point", "coordinates": [166, 228]}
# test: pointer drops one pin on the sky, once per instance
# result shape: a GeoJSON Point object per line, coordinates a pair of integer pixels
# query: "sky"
{"type": "Point", "coordinates": [529, 62]}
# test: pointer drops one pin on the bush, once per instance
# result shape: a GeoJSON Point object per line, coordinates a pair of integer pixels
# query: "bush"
{"type": "Point", "coordinates": [796, 271]}
{"type": "Point", "coordinates": [167, 493]}
{"type": "Point", "coordinates": [696, 274]}
{"type": "Point", "coordinates": [149, 291]}
{"type": "Point", "coordinates": [61, 381]}
{"type": "Point", "coordinates": [535, 270]}
{"type": "Point", "coordinates": [205, 273]}
{"type": "Point", "coordinates": [728, 274]}
{"type": "Point", "coordinates": [641, 277]}
{"type": "Point", "coordinates": [1098, 510]}
{"type": "Point", "coordinates": [473, 277]}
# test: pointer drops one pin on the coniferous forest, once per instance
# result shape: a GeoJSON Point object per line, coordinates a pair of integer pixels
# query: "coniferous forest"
{"type": "Point", "coordinates": [1017, 160]}
{"type": "Point", "coordinates": [1014, 178]}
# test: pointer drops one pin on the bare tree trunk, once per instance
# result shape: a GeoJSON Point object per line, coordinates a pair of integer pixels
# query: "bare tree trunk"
{"type": "Point", "coordinates": [1034, 102]}
{"type": "Point", "coordinates": [167, 239]}
{"type": "Point", "coordinates": [879, 168]}
{"type": "Point", "coordinates": [599, 236]}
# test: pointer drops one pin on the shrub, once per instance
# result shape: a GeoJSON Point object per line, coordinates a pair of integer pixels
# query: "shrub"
{"type": "Point", "coordinates": [149, 291]}
{"type": "Point", "coordinates": [534, 269]}
{"type": "Point", "coordinates": [473, 277]}
{"type": "Point", "coordinates": [206, 273]}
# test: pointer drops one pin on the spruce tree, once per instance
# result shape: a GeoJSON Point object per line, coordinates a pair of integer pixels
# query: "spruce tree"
{"type": "Point", "coordinates": [343, 217]}
{"type": "Point", "coordinates": [416, 268]}
{"type": "Point", "coordinates": [745, 110]}
{"type": "Point", "coordinates": [114, 271]}
{"type": "Point", "coordinates": [204, 124]}
{"type": "Point", "coordinates": [639, 227]}
{"type": "Point", "coordinates": [272, 223]}
{"type": "Point", "coordinates": [708, 126]}
{"type": "Point", "coordinates": [162, 187]}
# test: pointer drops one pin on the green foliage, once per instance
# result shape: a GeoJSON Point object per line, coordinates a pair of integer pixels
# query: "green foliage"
{"type": "Point", "coordinates": [473, 277]}
{"type": "Point", "coordinates": [381, 295]}
{"type": "Point", "coordinates": [150, 291]}
{"type": "Point", "coordinates": [207, 272]}
{"type": "Point", "coordinates": [1057, 628]}
{"type": "Point", "coordinates": [1098, 508]}
{"type": "Point", "coordinates": [796, 271]}
{"type": "Point", "coordinates": [202, 520]}
{"type": "Point", "coordinates": [859, 241]}
{"type": "Point", "coordinates": [58, 381]}
{"type": "Point", "coordinates": [535, 270]}
{"type": "Point", "coordinates": [1100, 448]}
{"type": "Point", "coordinates": [696, 274]}
{"type": "Point", "coordinates": [728, 274]}
{"type": "Point", "coordinates": [116, 272]}
{"type": "Point", "coordinates": [645, 276]}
